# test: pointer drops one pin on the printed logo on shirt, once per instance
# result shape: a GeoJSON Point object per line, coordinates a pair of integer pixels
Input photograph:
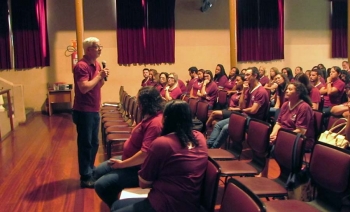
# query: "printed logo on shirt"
{"type": "Point", "coordinates": [253, 97]}
{"type": "Point", "coordinates": [293, 117]}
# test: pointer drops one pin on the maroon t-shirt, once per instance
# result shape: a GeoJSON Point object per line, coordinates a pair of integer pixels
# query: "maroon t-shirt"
{"type": "Point", "coordinates": [212, 93]}
{"type": "Point", "coordinates": [142, 135]}
{"type": "Point", "coordinates": [174, 93]}
{"type": "Point", "coordinates": [90, 101]}
{"type": "Point", "coordinates": [335, 99]}
{"type": "Point", "coordinates": [300, 117]}
{"type": "Point", "coordinates": [190, 84]}
{"type": "Point", "coordinates": [221, 82]}
{"type": "Point", "coordinates": [234, 100]}
{"type": "Point", "coordinates": [258, 95]}
{"type": "Point", "coordinates": [144, 82]}
{"type": "Point", "coordinates": [196, 87]}
{"type": "Point", "coordinates": [315, 95]}
{"type": "Point", "coordinates": [319, 85]}
{"type": "Point", "coordinates": [229, 84]}
{"type": "Point", "coordinates": [264, 80]}
{"type": "Point", "coordinates": [182, 86]}
{"type": "Point", "coordinates": [176, 172]}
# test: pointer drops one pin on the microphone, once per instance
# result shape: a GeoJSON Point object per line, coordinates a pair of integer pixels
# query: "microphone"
{"type": "Point", "coordinates": [104, 66]}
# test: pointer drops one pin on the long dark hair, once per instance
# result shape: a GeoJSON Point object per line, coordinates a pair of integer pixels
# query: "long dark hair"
{"type": "Point", "coordinates": [150, 100]}
{"type": "Point", "coordinates": [289, 73]}
{"type": "Point", "coordinates": [222, 72]}
{"type": "Point", "coordinates": [282, 88]}
{"type": "Point", "coordinates": [178, 119]}
{"type": "Point", "coordinates": [304, 79]}
{"type": "Point", "coordinates": [234, 74]}
{"type": "Point", "coordinates": [302, 91]}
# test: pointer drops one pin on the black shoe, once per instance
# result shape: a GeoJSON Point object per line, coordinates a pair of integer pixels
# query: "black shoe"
{"type": "Point", "coordinates": [87, 183]}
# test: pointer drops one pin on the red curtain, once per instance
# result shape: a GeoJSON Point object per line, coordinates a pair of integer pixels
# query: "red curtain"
{"type": "Point", "coordinates": [30, 38]}
{"type": "Point", "coordinates": [260, 30]}
{"type": "Point", "coordinates": [5, 59]}
{"type": "Point", "coordinates": [339, 27]}
{"type": "Point", "coordinates": [145, 31]}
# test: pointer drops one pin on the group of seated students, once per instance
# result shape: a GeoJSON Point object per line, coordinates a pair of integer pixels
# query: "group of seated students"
{"type": "Point", "coordinates": [252, 92]}
{"type": "Point", "coordinates": [164, 153]}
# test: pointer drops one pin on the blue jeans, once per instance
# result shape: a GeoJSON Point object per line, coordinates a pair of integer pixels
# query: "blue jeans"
{"type": "Point", "coordinates": [110, 182]}
{"type": "Point", "coordinates": [132, 204]}
{"type": "Point", "coordinates": [219, 134]}
{"type": "Point", "coordinates": [87, 124]}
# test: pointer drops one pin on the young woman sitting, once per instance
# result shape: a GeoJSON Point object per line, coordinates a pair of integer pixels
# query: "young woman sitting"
{"type": "Point", "coordinates": [233, 105]}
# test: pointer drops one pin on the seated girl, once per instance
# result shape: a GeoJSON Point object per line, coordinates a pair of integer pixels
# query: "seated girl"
{"type": "Point", "coordinates": [172, 90]}
{"type": "Point", "coordinates": [174, 167]}
{"type": "Point", "coordinates": [209, 90]}
{"type": "Point", "coordinates": [296, 114]}
{"type": "Point", "coordinates": [233, 105]}
{"type": "Point", "coordinates": [197, 85]}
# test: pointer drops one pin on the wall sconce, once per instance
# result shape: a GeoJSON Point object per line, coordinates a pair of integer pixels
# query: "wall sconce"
{"type": "Point", "coordinates": [2, 109]}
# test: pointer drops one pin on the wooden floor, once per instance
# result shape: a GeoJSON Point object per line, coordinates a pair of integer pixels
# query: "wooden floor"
{"type": "Point", "coordinates": [39, 169]}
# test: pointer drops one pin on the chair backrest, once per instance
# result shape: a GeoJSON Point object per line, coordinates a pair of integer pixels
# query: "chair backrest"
{"type": "Point", "coordinates": [222, 98]}
{"type": "Point", "coordinates": [331, 121]}
{"type": "Point", "coordinates": [288, 152]}
{"type": "Point", "coordinates": [330, 173]}
{"type": "Point", "coordinates": [236, 131]}
{"type": "Point", "coordinates": [127, 105]}
{"type": "Point", "coordinates": [258, 139]}
{"type": "Point", "coordinates": [202, 111]}
{"type": "Point", "coordinates": [238, 197]}
{"type": "Point", "coordinates": [210, 185]}
{"type": "Point", "coordinates": [321, 104]}
{"type": "Point", "coordinates": [133, 110]}
{"type": "Point", "coordinates": [138, 117]}
{"type": "Point", "coordinates": [193, 106]}
{"type": "Point", "coordinates": [318, 123]}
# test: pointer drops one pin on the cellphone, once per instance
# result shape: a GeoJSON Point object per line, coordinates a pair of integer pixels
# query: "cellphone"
{"type": "Point", "coordinates": [110, 162]}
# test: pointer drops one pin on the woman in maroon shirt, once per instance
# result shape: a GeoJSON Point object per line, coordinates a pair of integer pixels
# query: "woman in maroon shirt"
{"type": "Point", "coordinates": [296, 114]}
{"type": "Point", "coordinates": [220, 77]}
{"type": "Point", "coordinates": [172, 90]}
{"type": "Point", "coordinates": [174, 167]}
{"type": "Point", "coordinates": [197, 85]}
{"type": "Point", "coordinates": [313, 92]}
{"type": "Point", "coordinates": [162, 81]}
{"type": "Point", "coordinates": [234, 72]}
{"type": "Point", "coordinates": [233, 104]}
{"type": "Point", "coordinates": [209, 90]}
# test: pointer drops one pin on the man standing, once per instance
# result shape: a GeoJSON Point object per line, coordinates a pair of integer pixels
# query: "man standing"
{"type": "Point", "coordinates": [89, 77]}
{"type": "Point", "coordinates": [254, 102]}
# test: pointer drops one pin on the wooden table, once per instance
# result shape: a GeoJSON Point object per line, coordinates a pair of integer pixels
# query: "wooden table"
{"type": "Point", "coordinates": [59, 96]}
{"type": "Point", "coordinates": [9, 106]}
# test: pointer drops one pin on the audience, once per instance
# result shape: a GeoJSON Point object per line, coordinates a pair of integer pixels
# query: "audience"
{"type": "Point", "coordinates": [315, 76]}
{"type": "Point", "coordinates": [114, 175]}
{"type": "Point", "coordinates": [220, 77]}
{"type": "Point", "coordinates": [233, 103]}
{"type": "Point", "coordinates": [172, 90]}
{"type": "Point", "coordinates": [333, 90]}
{"type": "Point", "coordinates": [254, 102]}
{"type": "Point", "coordinates": [146, 81]}
{"type": "Point", "coordinates": [209, 90]}
{"type": "Point", "coordinates": [174, 167]}
{"type": "Point", "coordinates": [313, 92]}
{"type": "Point", "coordinates": [193, 72]}
{"type": "Point", "coordinates": [198, 85]}
{"type": "Point", "coordinates": [162, 82]}
{"type": "Point", "coordinates": [234, 72]}
{"type": "Point", "coordinates": [296, 114]}
{"type": "Point", "coordinates": [288, 72]}
{"type": "Point", "coordinates": [263, 78]}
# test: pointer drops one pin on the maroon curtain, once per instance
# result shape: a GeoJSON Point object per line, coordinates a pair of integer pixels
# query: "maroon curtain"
{"type": "Point", "coordinates": [31, 44]}
{"type": "Point", "coordinates": [145, 31]}
{"type": "Point", "coordinates": [5, 59]}
{"type": "Point", "coordinates": [339, 29]}
{"type": "Point", "coordinates": [160, 31]}
{"type": "Point", "coordinates": [130, 31]}
{"type": "Point", "coordinates": [260, 30]}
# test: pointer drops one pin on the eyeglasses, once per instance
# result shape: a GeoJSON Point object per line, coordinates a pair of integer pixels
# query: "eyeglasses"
{"type": "Point", "coordinates": [97, 47]}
